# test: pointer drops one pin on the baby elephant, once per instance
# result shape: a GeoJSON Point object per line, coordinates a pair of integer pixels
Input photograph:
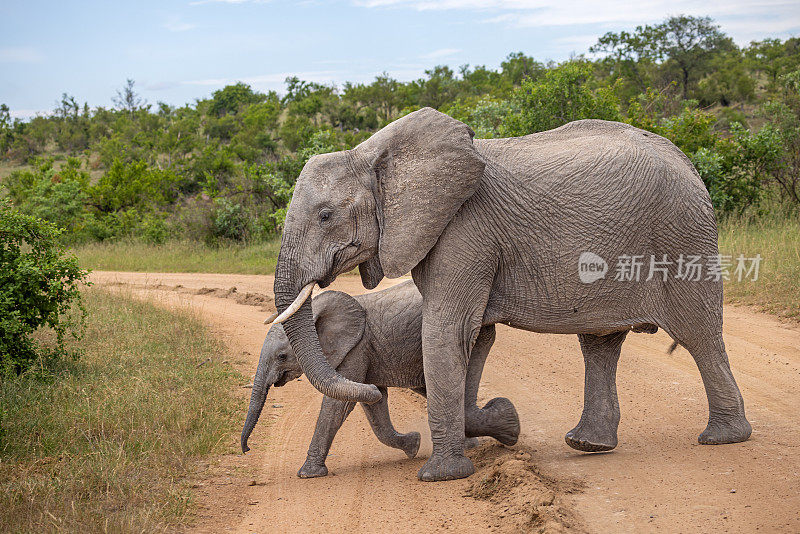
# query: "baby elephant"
{"type": "Point", "coordinates": [377, 339]}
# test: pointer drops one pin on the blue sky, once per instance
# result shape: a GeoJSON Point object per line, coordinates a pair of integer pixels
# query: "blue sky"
{"type": "Point", "coordinates": [181, 50]}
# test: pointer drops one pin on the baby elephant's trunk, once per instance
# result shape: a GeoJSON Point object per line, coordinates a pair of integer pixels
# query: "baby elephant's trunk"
{"type": "Point", "coordinates": [257, 399]}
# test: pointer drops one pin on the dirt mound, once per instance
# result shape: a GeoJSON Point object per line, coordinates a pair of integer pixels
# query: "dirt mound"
{"type": "Point", "coordinates": [265, 302]}
{"type": "Point", "coordinates": [523, 499]}
{"type": "Point", "coordinates": [248, 299]}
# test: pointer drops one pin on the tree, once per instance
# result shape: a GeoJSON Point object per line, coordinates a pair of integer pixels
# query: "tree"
{"type": "Point", "coordinates": [517, 67]}
{"type": "Point", "coordinates": [6, 134]}
{"type": "Point", "coordinates": [565, 94]}
{"type": "Point", "coordinates": [68, 108]}
{"type": "Point", "coordinates": [690, 42]}
{"type": "Point", "coordinates": [128, 99]}
{"type": "Point", "coordinates": [685, 42]}
{"type": "Point", "coordinates": [39, 285]}
{"type": "Point", "coordinates": [784, 119]}
{"type": "Point", "coordinates": [232, 98]}
{"type": "Point", "coordinates": [774, 58]}
{"type": "Point", "coordinates": [627, 56]}
{"type": "Point", "coordinates": [439, 88]}
{"type": "Point", "coordinates": [297, 89]}
{"type": "Point", "coordinates": [5, 117]}
{"type": "Point", "coordinates": [728, 80]}
{"type": "Point", "coordinates": [382, 95]}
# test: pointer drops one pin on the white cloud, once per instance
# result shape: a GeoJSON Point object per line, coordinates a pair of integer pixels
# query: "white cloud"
{"type": "Point", "coordinates": [160, 86]}
{"type": "Point", "coordinates": [20, 54]}
{"type": "Point", "coordinates": [276, 81]}
{"type": "Point", "coordinates": [740, 18]}
{"type": "Point", "coordinates": [440, 53]}
{"type": "Point", "coordinates": [28, 113]}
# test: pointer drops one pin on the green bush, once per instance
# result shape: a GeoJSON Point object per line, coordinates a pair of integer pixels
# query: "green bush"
{"type": "Point", "coordinates": [127, 185]}
{"type": "Point", "coordinates": [230, 221]}
{"type": "Point", "coordinates": [566, 93]}
{"type": "Point", "coordinates": [39, 287]}
{"type": "Point", "coordinates": [153, 230]}
{"type": "Point", "coordinates": [734, 165]}
{"type": "Point", "coordinates": [486, 116]}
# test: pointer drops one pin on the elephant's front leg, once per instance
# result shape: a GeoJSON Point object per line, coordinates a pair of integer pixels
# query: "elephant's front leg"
{"type": "Point", "coordinates": [597, 429]}
{"type": "Point", "coordinates": [381, 423]}
{"type": "Point", "coordinates": [445, 352]}
{"type": "Point", "coordinates": [498, 418]}
{"type": "Point", "coordinates": [331, 416]}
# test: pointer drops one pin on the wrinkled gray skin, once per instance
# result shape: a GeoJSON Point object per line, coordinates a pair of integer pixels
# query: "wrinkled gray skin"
{"type": "Point", "coordinates": [491, 231]}
{"type": "Point", "coordinates": [376, 339]}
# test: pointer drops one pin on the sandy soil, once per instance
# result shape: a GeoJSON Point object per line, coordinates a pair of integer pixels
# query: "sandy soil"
{"type": "Point", "coordinates": [658, 478]}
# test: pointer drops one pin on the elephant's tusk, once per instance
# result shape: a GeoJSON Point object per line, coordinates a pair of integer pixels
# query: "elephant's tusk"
{"type": "Point", "coordinates": [271, 318]}
{"type": "Point", "coordinates": [294, 306]}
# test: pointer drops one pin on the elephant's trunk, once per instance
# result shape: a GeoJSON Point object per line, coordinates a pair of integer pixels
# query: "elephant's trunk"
{"type": "Point", "coordinates": [257, 399]}
{"type": "Point", "coordinates": [302, 335]}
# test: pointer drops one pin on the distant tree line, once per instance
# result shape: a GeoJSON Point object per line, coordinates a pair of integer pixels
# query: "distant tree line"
{"type": "Point", "coordinates": [223, 168]}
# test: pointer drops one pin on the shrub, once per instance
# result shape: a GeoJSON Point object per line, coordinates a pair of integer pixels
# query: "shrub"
{"type": "Point", "coordinates": [565, 94]}
{"type": "Point", "coordinates": [230, 221]}
{"type": "Point", "coordinates": [56, 196]}
{"type": "Point", "coordinates": [154, 230]}
{"type": "Point", "coordinates": [38, 287]}
{"type": "Point", "coordinates": [127, 185]}
{"type": "Point", "coordinates": [486, 116]}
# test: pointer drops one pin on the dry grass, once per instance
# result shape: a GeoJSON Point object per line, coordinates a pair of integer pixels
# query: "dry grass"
{"type": "Point", "coordinates": [107, 444]}
{"type": "Point", "coordinates": [183, 257]}
{"type": "Point", "coordinates": [777, 239]}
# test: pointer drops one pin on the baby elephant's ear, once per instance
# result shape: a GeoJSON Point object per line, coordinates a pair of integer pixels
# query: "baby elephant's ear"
{"type": "Point", "coordinates": [340, 321]}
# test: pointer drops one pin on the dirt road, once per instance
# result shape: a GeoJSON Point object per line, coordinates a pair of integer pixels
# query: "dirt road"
{"type": "Point", "coordinates": [658, 478]}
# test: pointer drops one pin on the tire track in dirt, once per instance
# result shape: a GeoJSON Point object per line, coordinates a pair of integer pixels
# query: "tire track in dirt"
{"type": "Point", "coordinates": [658, 479]}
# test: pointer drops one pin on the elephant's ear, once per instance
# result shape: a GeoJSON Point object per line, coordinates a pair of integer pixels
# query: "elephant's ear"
{"type": "Point", "coordinates": [426, 166]}
{"type": "Point", "coordinates": [340, 322]}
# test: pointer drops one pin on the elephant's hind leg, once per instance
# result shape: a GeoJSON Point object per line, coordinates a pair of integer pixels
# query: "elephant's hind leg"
{"type": "Point", "coordinates": [726, 418]}
{"type": "Point", "coordinates": [381, 423]}
{"type": "Point", "coordinates": [597, 429]}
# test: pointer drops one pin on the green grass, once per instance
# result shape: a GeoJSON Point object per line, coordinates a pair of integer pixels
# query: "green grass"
{"type": "Point", "coordinates": [185, 257]}
{"type": "Point", "coordinates": [777, 239]}
{"type": "Point", "coordinates": [107, 444]}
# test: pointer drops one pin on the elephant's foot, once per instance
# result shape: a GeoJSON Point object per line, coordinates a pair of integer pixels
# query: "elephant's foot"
{"type": "Point", "coordinates": [471, 443]}
{"type": "Point", "coordinates": [409, 443]}
{"type": "Point", "coordinates": [596, 437]}
{"type": "Point", "coordinates": [312, 469]}
{"type": "Point", "coordinates": [498, 419]}
{"type": "Point", "coordinates": [451, 467]}
{"type": "Point", "coordinates": [731, 429]}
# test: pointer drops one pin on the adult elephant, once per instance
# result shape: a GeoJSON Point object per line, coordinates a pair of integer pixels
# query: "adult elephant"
{"type": "Point", "coordinates": [492, 232]}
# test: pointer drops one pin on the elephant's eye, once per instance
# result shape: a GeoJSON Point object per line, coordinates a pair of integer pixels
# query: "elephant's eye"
{"type": "Point", "coordinates": [282, 357]}
{"type": "Point", "coordinates": [324, 215]}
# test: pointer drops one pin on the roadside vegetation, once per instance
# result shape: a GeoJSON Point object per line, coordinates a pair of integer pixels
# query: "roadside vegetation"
{"type": "Point", "coordinates": [777, 239]}
{"type": "Point", "coordinates": [109, 442]}
{"type": "Point", "coordinates": [256, 257]}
